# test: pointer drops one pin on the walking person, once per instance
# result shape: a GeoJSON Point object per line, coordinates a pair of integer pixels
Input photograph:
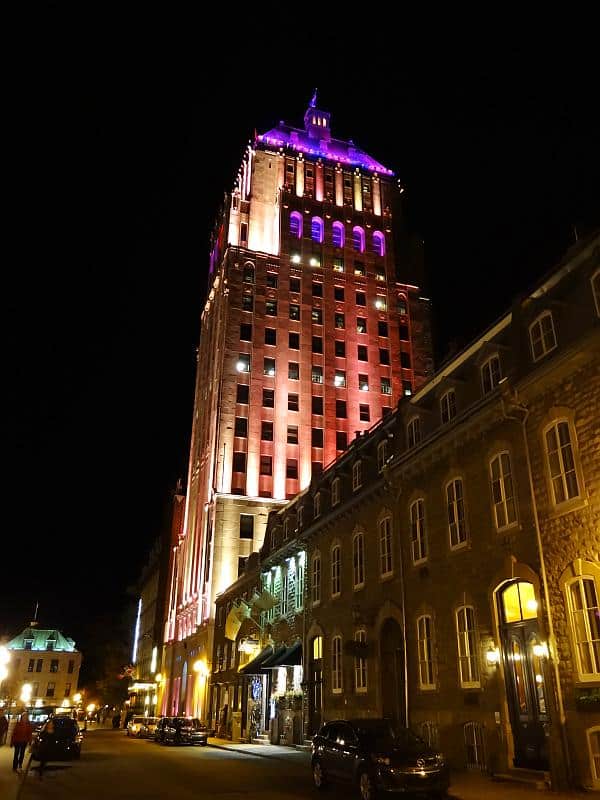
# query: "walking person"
{"type": "Point", "coordinates": [3, 728]}
{"type": "Point", "coordinates": [21, 736]}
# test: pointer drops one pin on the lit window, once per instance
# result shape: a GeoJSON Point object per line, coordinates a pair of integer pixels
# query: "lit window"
{"type": "Point", "coordinates": [468, 667]}
{"type": "Point", "coordinates": [243, 362]}
{"type": "Point", "coordinates": [269, 367]}
{"type": "Point", "coordinates": [417, 531]}
{"type": "Point", "coordinates": [336, 570]}
{"type": "Point", "coordinates": [296, 225]}
{"type": "Point", "coordinates": [448, 406]}
{"type": "Point", "coordinates": [317, 648]}
{"type": "Point", "coordinates": [356, 475]}
{"type": "Point", "coordinates": [542, 336]}
{"type": "Point", "coordinates": [339, 379]}
{"type": "Point", "coordinates": [425, 647]}
{"type": "Point", "coordinates": [336, 665]}
{"type": "Point", "coordinates": [561, 462]}
{"type": "Point", "coordinates": [317, 374]}
{"type": "Point", "coordinates": [338, 265]}
{"type": "Point", "coordinates": [335, 491]}
{"type": "Point", "coordinates": [248, 276]}
{"type": "Point", "coordinates": [316, 579]}
{"type": "Point", "coordinates": [386, 386]}
{"type": "Point", "coordinates": [338, 234]}
{"type": "Point", "coordinates": [363, 383]}
{"type": "Point", "coordinates": [505, 511]}
{"type": "Point", "coordinates": [456, 514]}
{"type": "Point", "coordinates": [413, 432]}
{"type": "Point", "coordinates": [360, 662]}
{"type": "Point", "coordinates": [316, 229]}
{"type": "Point", "coordinates": [386, 564]}
{"type": "Point", "coordinates": [382, 449]}
{"type": "Point", "coordinates": [381, 305]}
{"type": "Point", "coordinates": [358, 561]}
{"type": "Point", "coordinates": [490, 374]}
{"type": "Point", "coordinates": [358, 239]}
{"type": "Point", "coordinates": [378, 243]}
{"type": "Point", "coordinates": [584, 618]}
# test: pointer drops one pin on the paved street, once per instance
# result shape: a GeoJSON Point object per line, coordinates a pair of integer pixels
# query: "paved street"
{"type": "Point", "coordinates": [113, 767]}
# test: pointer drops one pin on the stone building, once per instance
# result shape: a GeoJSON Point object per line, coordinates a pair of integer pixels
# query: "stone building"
{"type": "Point", "coordinates": [453, 551]}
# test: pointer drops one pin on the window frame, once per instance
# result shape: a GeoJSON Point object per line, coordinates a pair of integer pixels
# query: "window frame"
{"type": "Point", "coordinates": [456, 503]}
{"type": "Point", "coordinates": [414, 435]}
{"type": "Point", "coordinates": [594, 768]}
{"type": "Point", "coordinates": [358, 561]}
{"type": "Point", "coordinates": [418, 531]}
{"type": "Point", "coordinates": [538, 325]}
{"type": "Point", "coordinates": [361, 675]}
{"type": "Point", "coordinates": [487, 371]}
{"type": "Point", "coordinates": [357, 475]}
{"type": "Point", "coordinates": [336, 495]}
{"type": "Point", "coordinates": [337, 679]}
{"type": "Point", "coordinates": [448, 406]}
{"type": "Point", "coordinates": [501, 482]}
{"type": "Point", "coordinates": [315, 578]}
{"type": "Point", "coordinates": [335, 584]}
{"type": "Point", "coordinates": [585, 575]}
{"type": "Point", "coordinates": [575, 499]}
{"type": "Point", "coordinates": [471, 649]}
{"type": "Point", "coordinates": [382, 455]}
{"type": "Point", "coordinates": [426, 653]}
{"type": "Point", "coordinates": [386, 547]}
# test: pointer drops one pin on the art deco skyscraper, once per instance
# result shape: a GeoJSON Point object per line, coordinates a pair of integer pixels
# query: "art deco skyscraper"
{"type": "Point", "coordinates": [307, 339]}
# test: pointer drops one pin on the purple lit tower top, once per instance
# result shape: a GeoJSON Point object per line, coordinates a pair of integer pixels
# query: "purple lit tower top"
{"type": "Point", "coordinates": [316, 140]}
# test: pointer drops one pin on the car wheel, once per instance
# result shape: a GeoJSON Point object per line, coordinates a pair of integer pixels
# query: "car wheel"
{"type": "Point", "coordinates": [366, 786]}
{"type": "Point", "coordinates": [319, 778]}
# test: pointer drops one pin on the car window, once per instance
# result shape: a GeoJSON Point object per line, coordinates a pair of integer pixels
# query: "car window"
{"type": "Point", "coordinates": [345, 735]}
{"type": "Point", "coordinates": [137, 720]}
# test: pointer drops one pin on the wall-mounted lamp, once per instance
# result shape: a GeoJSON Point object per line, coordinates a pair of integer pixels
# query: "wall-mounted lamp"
{"type": "Point", "coordinates": [492, 657]}
{"type": "Point", "coordinates": [540, 650]}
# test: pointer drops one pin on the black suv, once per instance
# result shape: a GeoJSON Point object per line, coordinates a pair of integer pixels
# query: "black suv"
{"type": "Point", "coordinates": [181, 730]}
{"type": "Point", "coordinates": [59, 739]}
{"type": "Point", "coordinates": [372, 755]}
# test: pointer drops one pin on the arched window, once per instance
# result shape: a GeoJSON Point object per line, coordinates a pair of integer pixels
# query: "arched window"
{"type": "Point", "coordinates": [417, 531]}
{"type": "Point", "coordinates": [360, 662]}
{"type": "Point", "coordinates": [386, 563]}
{"type": "Point", "coordinates": [503, 494]}
{"type": "Point", "coordinates": [490, 374]}
{"type": "Point", "coordinates": [336, 665]}
{"type": "Point", "coordinates": [382, 454]}
{"type": "Point", "coordinates": [448, 406]}
{"type": "Point", "coordinates": [358, 561]}
{"type": "Point", "coordinates": [378, 243]}
{"type": "Point", "coordinates": [316, 579]}
{"type": "Point", "coordinates": [316, 229]}
{"type": "Point", "coordinates": [338, 234]}
{"type": "Point", "coordinates": [457, 525]}
{"type": "Point", "coordinates": [466, 635]}
{"type": "Point", "coordinates": [248, 272]}
{"type": "Point", "coordinates": [542, 336]}
{"type": "Point", "coordinates": [425, 650]}
{"type": "Point", "coordinates": [296, 225]}
{"type": "Point", "coordinates": [584, 622]}
{"type": "Point", "coordinates": [358, 239]}
{"type": "Point", "coordinates": [336, 570]}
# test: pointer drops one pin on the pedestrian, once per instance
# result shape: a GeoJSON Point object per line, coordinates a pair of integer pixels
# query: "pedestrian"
{"type": "Point", "coordinates": [21, 736]}
{"type": "Point", "coordinates": [3, 728]}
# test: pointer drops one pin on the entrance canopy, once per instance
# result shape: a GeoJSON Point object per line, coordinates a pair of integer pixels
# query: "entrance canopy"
{"type": "Point", "coordinates": [285, 657]}
{"type": "Point", "coordinates": [256, 666]}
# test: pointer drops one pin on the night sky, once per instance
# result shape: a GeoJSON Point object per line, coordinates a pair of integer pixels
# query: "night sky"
{"type": "Point", "coordinates": [121, 143]}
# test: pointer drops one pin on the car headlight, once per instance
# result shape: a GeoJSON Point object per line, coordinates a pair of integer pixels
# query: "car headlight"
{"type": "Point", "coordinates": [383, 760]}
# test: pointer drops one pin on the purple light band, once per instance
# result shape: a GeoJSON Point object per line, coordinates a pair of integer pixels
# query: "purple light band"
{"type": "Point", "coordinates": [361, 159]}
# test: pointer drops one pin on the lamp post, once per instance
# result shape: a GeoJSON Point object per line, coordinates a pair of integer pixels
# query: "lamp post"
{"type": "Point", "coordinates": [4, 659]}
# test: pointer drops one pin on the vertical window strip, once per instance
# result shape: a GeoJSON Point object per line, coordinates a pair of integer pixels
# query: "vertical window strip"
{"type": "Point", "coordinates": [336, 665]}
{"type": "Point", "coordinates": [561, 462]}
{"type": "Point", "coordinates": [360, 663]}
{"type": "Point", "coordinates": [456, 513]}
{"type": "Point", "coordinates": [418, 535]}
{"type": "Point", "coordinates": [358, 560]}
{"type": "Point", "coordinates": [467, 647]}
{"type": "Point", "coordinates": [425, 652]}
{"type": "Point", "coordinates": [585, 626]}
{"type": "Point", "coordinates": [505, 512]}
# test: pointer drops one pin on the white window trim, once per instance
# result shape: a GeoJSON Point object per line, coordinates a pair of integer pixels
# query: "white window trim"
{"type": "Point", "coordinates": [582, 677]}
{"type": "Point", "coordinates": [382, 459]}
{"type": "Point", "coordinates": [596, 295]}
{"type": "Point", "coordinates": [595, 773]}
{"type": "Point", "coordinates": [431, 661]}
{"type": "Point", "coordinates": [445, 399]}
{"type": "Point", "coordinates": [316, 557]}
{"type": "Point", "coordinates": [413, 433]}
{"type": "Point", "coordinates": [339, 575]}
{"type": "Point", "coordinates": [357, 475]}
{"type": "Point", "coordinates": [422, 529]}
{"type": "Point", "coordinates": [335, 491]}
{"type": "Point", "coordinates": [363, 688]}
{"type": "Point", "coordinates": [390, 539]}
{"type": "Point", "coordinates": [465, 541]}
{"type": "Point", "coordinates": [467, 684]}
{"type": "Point", "coordinates": [486, 366]}
{"type": "Point", "coordinates": [360, 585]}
{"type": "Point", "coordinates": [503, 491]}
{"type": "Point", "coordinates": [337, 675]}
{"type": "Point", "coordinates": [538, 321]}
{"type": "Point", "coordinates": [568, 501]}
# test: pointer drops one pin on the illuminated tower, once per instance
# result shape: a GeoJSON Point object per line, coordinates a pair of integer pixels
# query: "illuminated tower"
{"type": "Point", "coordinates": [307, 340]}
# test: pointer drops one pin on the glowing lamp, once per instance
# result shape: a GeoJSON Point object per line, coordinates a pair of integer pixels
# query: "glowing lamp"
{"type": "Point", "coordinates": [77, 697]}
{"type": "Point", "coordinates": [201, 668]}
{"type": "Point", "coordinates": [26, 693]}
{"type": "Point", "coordinates": [531, 605]}
{"type": "Point", "coordinates": [540, 650]}
{"type": "Point", "coordinates": [295, 258]}
{"type": "Point", "coordinates": [364, 387]}
{"type": "Point", "coordinates": [379, 305]}
{"type": "Point", "coordinates": [91, 708]}
{"type": "Point", "coordinates": [241, 366]}
{"type": "Point", "coordinates": [314, 262]}
{"type": "Point", "coordinates": [492, 657]}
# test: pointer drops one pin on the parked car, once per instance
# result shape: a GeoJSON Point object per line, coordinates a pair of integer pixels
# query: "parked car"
{"type": "Point", "coordinates": [134, 725]}
{"type": "Point", "coordinates": [371, 755]}
{"type": "Point", "coordinates": [148, 728]}
{"type": "Point", "coordinates": [59, 739]}
{"type": "Point", "coordinates": [181, 730]}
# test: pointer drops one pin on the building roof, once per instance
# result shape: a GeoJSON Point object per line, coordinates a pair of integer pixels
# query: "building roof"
{"type": "Point", "coordinates": [39, 640]}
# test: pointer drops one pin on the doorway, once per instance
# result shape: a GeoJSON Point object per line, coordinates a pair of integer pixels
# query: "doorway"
{"type": "Point", "coordinates": [391, 646]}
{"type": "Point", "coordinates": [315, 684]}
{"type": "Point", "coordinates": [524, 655]}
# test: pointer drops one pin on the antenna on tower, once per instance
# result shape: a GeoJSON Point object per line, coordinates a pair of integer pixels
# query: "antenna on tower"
{"type": "Point", "coordinates": [34, 621]}
{"type": "Point", "coordinates": [313, 102]}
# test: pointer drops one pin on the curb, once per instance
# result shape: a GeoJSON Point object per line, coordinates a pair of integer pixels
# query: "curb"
{"type": "Point", "coordinates": [247, 752]}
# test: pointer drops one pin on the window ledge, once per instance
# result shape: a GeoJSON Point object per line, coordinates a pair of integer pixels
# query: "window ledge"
{"type": "Point", "coordinates": [567, 507]}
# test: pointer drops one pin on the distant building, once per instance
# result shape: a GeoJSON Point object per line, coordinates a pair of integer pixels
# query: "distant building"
{"type": "Point", "coordinates": [43, 669]}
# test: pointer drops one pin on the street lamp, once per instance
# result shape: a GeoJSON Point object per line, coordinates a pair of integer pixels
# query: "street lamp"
{"type": "Point", "coordinates": [4, 659]}
{"type": "Point", "coordinates": [26, 693]}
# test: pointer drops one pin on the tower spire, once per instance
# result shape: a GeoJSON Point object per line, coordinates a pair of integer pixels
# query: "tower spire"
{"type": "Point", "coordinates": [313, 102]}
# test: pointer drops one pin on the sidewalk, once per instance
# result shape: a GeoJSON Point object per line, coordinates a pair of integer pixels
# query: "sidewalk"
{"type": "Point", "coordinates": [260, 750]}
{"type": "Point", "coordinates": [9, 780]}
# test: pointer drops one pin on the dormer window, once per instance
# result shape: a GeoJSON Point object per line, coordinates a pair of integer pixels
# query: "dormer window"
{"type": "Point", "coordinates": [335, 491]}
{"type": "Point", "coordinates": [413, 432]}
{"type": "Point", "coordinates": [382, 448]}
{"type": "Point", "coordinates": [356, 475]}
{"type": "Point", "coordinates": [286, 529]}
{"type": "Point", "coordinates": [28, 644]}
{"type": "Point", "coordinates": [448, 406]}
{"type": "Point", "coordinates": [490, 374]}
{"type": "Point", "coordinates": [542, 336]}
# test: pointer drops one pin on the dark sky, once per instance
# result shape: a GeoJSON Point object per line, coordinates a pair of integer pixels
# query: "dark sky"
{"type": "Point", "coordinates": [121, 141]}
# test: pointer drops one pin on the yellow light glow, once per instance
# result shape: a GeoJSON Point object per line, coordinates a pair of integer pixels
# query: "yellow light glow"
{"type": "Point", "coordinates": [91, 707]}
{"type": "Point", "coordinates": [4, 655]}
{"type": "Point", "coordinates": [26, 693]}
{"type": "Point", "coordinates": [201, 668]}
{"type": "Point", "coordinates": [39, 702]}
{"type": "Point", "coordinates": [531, 605]}
{"type": "Point", "coordinates": [77, 697]}
{"type": "Point", "coordinates": [492, 656]}
{"type": "Point", "coordinates": [65, 703]}
{"type": "Point", "coordinates": [540, 650]}
{"type": "Point", "coordinates": [158, 677]}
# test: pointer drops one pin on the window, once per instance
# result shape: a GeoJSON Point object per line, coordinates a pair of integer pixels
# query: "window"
{"type": "Point", "coordinates": [356, 475]}
{"type": "Point", "coordinates": [363, 352]}
{"type": "Point", "coordinates": [379, 273]}
{"type": "Point", "coordinates": [269, 367]}
{"type": "Point", "coordinates": [340, 349]}
{"type": "Point", "coordinates": [448, 406]}
{"type": "Point", "coordinates": [241, 427]}
{"type": "Point", "coordinates": [296, 225]}
{"type": "Point", "coordinates": [363, 383]}
{"type": "Point", "coordinates": [317, 289]}
{"type": "Point", "coordinates": [245, 332]}
{"type": "Point", "coordinates": [317, 505]}
{"type": "Point", "coordinates": [430, 734]}
{"type": "Point", "coordinates": [248, 273]}
{"type": "Point", "coordinates": [341, 440]}
{"type": "Point", "coordinates": [364, 413]}
{"type": "Point", "coordinates": [243, 362]}
{"type": "Point", "coordinates": [338, 294]}
{"type": "Point", "coordinates": [241, 567]}
{"type": "Point", "coordinates": [360, 662]}
{"type": "Point", "coordinates": [358, 560]}
{"type": "Point", "coordinates": [39, 664]}
{"type": "Point", "coordinates": [405, 360]}
{"type": "Point", "coordinates": [71, 667]}
{"type": "Point", "coordinates": [294, 341]}
{"type": "Point", "coordinates": [381, 305]}
{"type": "Point", "coordinates": [244, 232]}
{"type": "Point", "coordinates": [593, 736]}
{"type": "Point", "coordinates": [561, 462]}
{"type": "Point", "coordinates": [336, 570]}
{"type": "Point", "coordinates": [403, 333]}
{"type": "Point", "coordinates": [50, 690]}
{"type": "Point", "coordinates": [335, 491]}
{"type": "Point", "coordinates": [316, 468]}
{"type": "Point", "coordinates": [316, 229]}
{"type": "Point", "coordinates": [379, 243]}
{"type": "Point", "coordinates": [406, 388]}
{"type": "Point", "coordinates": [386, 386]}
{"type": "Point", "coordinates": [425, 649]}
{"type": "Point", "coordinates": [317, 316]}
{"type": "Point", "coordinates": [542, 336]}
{"type": "Point", "coordinates": [316, 579]}
{"type": "Point", "coordinates": [247, 301]}
{"type": "Point", "coordinates": [295, 285]}
{"type": "Point", "coordinates": [268, 398]}
{"type": "Point", "coordinates": [271, 308]}
{"type": "Point", "coordinates": [317, 344]}
{"type": "Point", "coordinates": [584, 618]}
{"type": "Point", "coordinates": [385, 410]}
{"type": "Point", "coordinates": [53, 663]}
{"type": "Point", "coordinates": [358, 239]}
{"type": "Point", "coordinates": [361, 325]}
{"type": "Point", "coordinates": [339, 378]}
{"type": "Point", "coordinates": [272, 281]}
{"type": "Point", "coordinates": [468, 667]}
{"type": "Point", "coordinates": [456, 513]}
{"type": "Point", "coordinates": [401, 306]}
{"type": "Point", "coordinates": [242, 394]}
{"type": "Point", "coordinates": [596, 290]}
{"type": "Point", "coordinates": [239, 462]}
{"type": "Point", "coordinates": [338, 265]}
{"type": "Point", "coordinates": [246, 526]}
{"type": "Point", "coordinates": [294, 311]}
{"type": "Point", "coordinates": [317, 437]}
{"type": "Point", "coordinates": [294, 371]}
{"type": "Point", "coordinates": [361, 299]}
{"type": "Point", "coordinates": [386, 565]}
{"type": "Point", "coordinates": [317, 405]}
{"type": "Point", "coordinates": [28, 644]}
{"type": "Point", "coordinates": [382, 449]}
{"type": "Point", "coordinates": [317, 374]}
{"type": "Point", "coordinates": [413, 432]}
{"type": "Point", "coordinates": [266, 465]}
{"type": "Point", "coordinates": [418, 534]}
{"type": "Point", "coordinates": [505, 512]}
{"type": "Point", "coordinates": [475, 752]}
{"type": "Point", "coordinates": [384, 356]}
{"type": "Point", "coordinates": [340, 409]}
{"type": "Point", "coordinates": [339, 322]}
{"type": "Point", "coordinates": [292, 434]}
{"type": "Point", "coordinates": [336, 665]}
{"type": "Point", "coordinates": [67, 689]}
{"type": "Point", "coordinates": [291, 468]}
{"type": "Point", "coordinates": [31, 665]}
{"type": "Point", "coordinates": [270, 336]}
{"type": "Point", "coordinates": [338, 234]}
{"type": "Point", "coordinates": [490, 374]}
{"type": "Point", "coordinates": [266, 431]}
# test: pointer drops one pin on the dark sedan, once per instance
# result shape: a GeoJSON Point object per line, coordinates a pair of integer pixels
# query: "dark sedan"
{"type": "Point", "coordinates": [59, 739]}
{"type": "Point", "coordinates": [371, 755]}
{"type": "Point", "coordinates": [181, 730]}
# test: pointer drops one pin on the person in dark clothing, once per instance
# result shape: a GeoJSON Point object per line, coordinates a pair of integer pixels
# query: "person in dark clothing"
{"type": "Point", "coordinates": [21, 736]}
{"type": "Point", "coordinates": [3, 728]}
{"type": "Point", "coordinates": [116, 721]}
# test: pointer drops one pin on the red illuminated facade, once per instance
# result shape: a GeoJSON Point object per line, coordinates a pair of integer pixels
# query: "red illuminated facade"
{"type": "Point", "coordinates": [308, 337]}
